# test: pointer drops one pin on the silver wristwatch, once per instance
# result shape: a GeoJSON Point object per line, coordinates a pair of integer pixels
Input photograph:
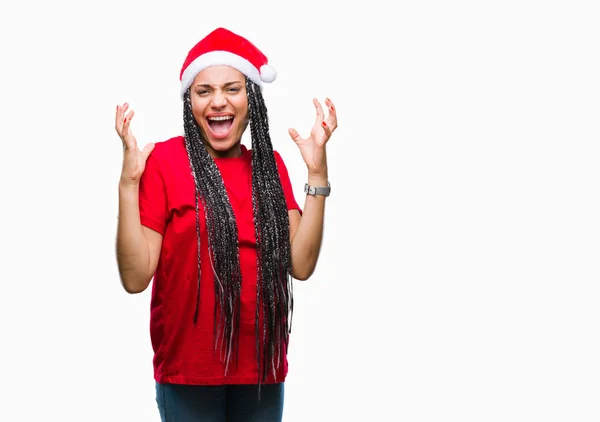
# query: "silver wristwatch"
{"type": "Point", "coordinates": [317, 190]}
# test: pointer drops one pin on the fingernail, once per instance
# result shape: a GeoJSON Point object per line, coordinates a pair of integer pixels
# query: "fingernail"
{"type": "Point", "coordinates": [324, 124]}
{"type": "Point", "coordinates": [125, 121]}
{"type": "Point", "coordinates": [332, 107]}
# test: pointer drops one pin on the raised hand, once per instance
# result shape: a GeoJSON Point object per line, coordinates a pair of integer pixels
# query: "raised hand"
{"type": "Point", "coordinates": [313, 147]}
{"type": "Point", "coordinates": [134, 160]}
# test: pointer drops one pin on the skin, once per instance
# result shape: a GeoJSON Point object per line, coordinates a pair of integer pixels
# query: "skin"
{"type": "Point", "coordinates": [306, 231]}
{"type": "Point", "coordinates": [138, 247]}
{"type": "Point", "coordinates": [218, 91]}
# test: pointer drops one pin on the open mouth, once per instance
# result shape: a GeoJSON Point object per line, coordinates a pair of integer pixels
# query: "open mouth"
{"type": "Point", "coordinates": [220, 125]}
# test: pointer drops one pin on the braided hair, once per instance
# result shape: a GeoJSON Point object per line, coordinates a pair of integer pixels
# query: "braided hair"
{"type": "Point", "coordinates": [274, 293]}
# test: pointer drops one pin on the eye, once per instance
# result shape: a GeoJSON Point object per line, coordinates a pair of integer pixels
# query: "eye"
{"type": "Point", "coordinates": [202, 92]}
{"type": "Point", "coordinates": [233, 89]}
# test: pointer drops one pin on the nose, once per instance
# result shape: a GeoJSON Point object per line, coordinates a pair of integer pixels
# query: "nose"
{"type": "Point", "coordinates": [218, 100]}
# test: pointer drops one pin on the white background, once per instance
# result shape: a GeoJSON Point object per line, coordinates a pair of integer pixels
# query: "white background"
{"type": "Point", "coordinates": [459, 277]}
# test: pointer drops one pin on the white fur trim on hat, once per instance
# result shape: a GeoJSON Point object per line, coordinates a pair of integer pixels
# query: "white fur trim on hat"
{"type": "Point", "coordinates": [216, 58]}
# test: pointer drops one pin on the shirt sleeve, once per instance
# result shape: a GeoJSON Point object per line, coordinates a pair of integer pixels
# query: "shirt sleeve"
{"type": "Point", "coordinates": [286, 184]}
{"type": "Point", "coordinates": [153, 197]}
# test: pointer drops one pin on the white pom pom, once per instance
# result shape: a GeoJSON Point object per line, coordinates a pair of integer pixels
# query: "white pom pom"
{"type": "Point", "coordinates": [267, 73]}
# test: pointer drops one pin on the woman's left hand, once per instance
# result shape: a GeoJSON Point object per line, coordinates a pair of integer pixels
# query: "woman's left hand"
{"type": "Point", "coordinates": [313, 147]}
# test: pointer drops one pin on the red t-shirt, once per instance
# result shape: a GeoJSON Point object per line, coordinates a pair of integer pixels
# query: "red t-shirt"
{"type": "Point", "coordinates": [183, 352]}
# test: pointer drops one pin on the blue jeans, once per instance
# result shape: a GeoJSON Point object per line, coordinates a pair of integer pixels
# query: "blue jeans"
{"type": "Point", "coordinates": [221, 403]}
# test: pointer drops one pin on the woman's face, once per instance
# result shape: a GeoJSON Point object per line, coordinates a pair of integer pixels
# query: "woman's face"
{"type": "Point", "coordinates": [220, 107]}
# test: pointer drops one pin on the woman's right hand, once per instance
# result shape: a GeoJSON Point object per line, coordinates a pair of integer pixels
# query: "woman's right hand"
{"type": "Point", "coordinates": [134, 160]}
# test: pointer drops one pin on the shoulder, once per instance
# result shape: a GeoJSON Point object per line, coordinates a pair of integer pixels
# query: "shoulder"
{"type": "Point", "coordinates": [278, 157]}
{"type": "Point", "coordinates": [163, 150]}
{"type": "Point", "coordinates": [280, 162]}
{"type": "Point", "coordinates": [168, 154]}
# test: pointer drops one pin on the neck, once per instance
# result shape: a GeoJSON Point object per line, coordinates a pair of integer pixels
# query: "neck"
{"type": "Point", "coordinates": [233, 152]}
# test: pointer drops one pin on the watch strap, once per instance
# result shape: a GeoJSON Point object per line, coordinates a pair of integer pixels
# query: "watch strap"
{"type": "Point", "coordinates": [317, 190]}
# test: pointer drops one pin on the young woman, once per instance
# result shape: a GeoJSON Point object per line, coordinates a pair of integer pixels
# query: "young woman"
{"type": "Point", "coordinates": [217, 227]}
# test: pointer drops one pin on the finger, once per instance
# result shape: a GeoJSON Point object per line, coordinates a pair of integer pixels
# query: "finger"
{"type": "Point", "coordinates": [121, 110]}
{"type": "Point", "coordinates": [330, 106]}
{"type": "Point", "coordinates": [332, 119]}
{"type": "Point", "coordinates": [295, 135]}
{"type": "Point", "coordinates": [119, 117]}
{"type": "Point", "coordinates": [320, 115]}
{"type": "Point", "coordinates": [326, 128]}
{"type": "Point", "coordinates": [127, 140]}
{"type": "Point", "coordinates": [125, 129]}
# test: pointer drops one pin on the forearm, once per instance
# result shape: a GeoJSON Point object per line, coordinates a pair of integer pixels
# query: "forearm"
{"type": "Point", "coordinates": [307, 240]}
{"type": "Point", "coordinates": [133, 256]}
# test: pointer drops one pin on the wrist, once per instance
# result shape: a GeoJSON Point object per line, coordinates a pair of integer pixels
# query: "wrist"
{"type": "Point", "coordinates": [317, 185]}
{"type": "Point", "coordinates": [128, 185]}
{"type": "Point", "coordinates": [318, 179]}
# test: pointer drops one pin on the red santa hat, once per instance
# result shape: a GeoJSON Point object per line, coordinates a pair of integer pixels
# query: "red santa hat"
{"type": "Point", "coordinates": [223, 47]}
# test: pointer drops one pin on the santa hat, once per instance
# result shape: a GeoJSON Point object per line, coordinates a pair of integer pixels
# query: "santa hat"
{"type": "Point", "coordinates": [223, 47]}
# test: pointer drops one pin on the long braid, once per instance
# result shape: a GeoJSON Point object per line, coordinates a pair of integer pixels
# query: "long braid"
{"type": "Point", "coordinates": [274, 295]}
{"type": "Point", "coordinates": [222, 237]}
{"type": "Point", "coordinates": [271, 221]}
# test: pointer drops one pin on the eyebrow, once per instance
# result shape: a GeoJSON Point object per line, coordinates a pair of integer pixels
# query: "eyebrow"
{"type": "Point", "coordinates": [225, 85]}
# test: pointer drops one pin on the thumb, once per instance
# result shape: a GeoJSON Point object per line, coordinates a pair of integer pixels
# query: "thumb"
{"type": "Point", "coordinates": [147, 150]}
{"type": "Point", "coordinates": [295, 135]}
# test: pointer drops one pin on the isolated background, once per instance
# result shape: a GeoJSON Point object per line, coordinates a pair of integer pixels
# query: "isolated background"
{"type": "Point", "coordinates": [459, 275]}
